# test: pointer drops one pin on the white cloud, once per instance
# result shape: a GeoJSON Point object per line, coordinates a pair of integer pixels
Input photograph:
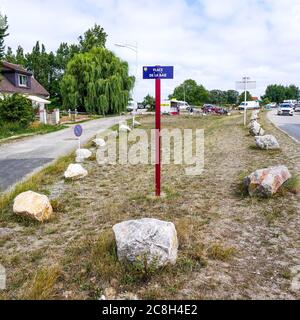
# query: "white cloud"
{"type": "Point", "coordinates": [215, 42]}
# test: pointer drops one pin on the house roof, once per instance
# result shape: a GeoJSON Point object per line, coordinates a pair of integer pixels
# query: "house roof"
{"type": "Point", "coordinates": [7, 87]}
{"type": "Point", "coordinates": [15, 67]}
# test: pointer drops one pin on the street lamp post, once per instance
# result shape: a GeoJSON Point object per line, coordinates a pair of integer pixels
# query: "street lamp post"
{"type": "Point", "coordinates": [135, 49]}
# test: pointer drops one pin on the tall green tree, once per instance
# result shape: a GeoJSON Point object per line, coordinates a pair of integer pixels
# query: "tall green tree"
{"type": "Point", "coordinates": [38, 62]}
{"type": "Point", "coordinates": [292, 92]}
{"type": "Point", "coordinates": [3, 34]}
{"type": "Point", "coordinates": [242, 97]}
{"type": "Point", "coordinates": [275, 93]}
{"type": "Point", "coordinates": [93, 37]}
{"type": "Point", "coordinates": [149, 101]}
{"type": "Point", "coordinates": [20, 57]}
{"type": "Point", "coordinates": [232, 97]}
{"type": "Point", "coordinates": [193, 93]}
{"type": "Point", "coordinates": [218, 97]}
{"type": "Point", "coordinates": [10, 56]}
{"type": "Point", "coordinates": [97, 82]}
{"type": "Point", "coordinates": [278, 93]}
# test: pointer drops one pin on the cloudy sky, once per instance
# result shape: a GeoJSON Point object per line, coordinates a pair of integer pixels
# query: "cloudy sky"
{"type": "Point", "coordinates": [215, 42]}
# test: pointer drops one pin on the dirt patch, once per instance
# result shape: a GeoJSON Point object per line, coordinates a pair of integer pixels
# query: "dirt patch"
{"type": "Point", "coordinates": [231, 246]}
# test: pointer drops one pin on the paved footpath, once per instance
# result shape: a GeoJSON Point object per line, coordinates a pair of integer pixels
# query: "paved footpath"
{"type": "Point", "coordinates": [23, 157]}
{"type": "Point", "coordinates": [290, 125]}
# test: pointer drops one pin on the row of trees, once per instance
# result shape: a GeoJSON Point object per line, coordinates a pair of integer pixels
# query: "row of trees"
{"type": "Point", "coordinates": [84, 75]}
{"type": "Point", "coordinates": [49, 68]}
{"type": "Point", "coordinates": [196, 94]}
{"type": "Point", "coordinates": [278, 93]}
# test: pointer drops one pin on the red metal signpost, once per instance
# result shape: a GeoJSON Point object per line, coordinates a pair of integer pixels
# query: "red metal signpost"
{"type": "Point", "coordinates": [157, 73]}
{"type": "Point", "coordinates": [157, 137]}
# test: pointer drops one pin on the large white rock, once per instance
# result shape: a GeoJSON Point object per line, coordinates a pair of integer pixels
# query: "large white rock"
{"type": "Point", "coordinates": [99, 142]}
{"type": "Point", "coordinates": [124, 127]}
{"type": "Point", "coordinates": [152, 239]}
{"type": "Point", "coordinates": [255, 129]}
{"type": "Point", "coordinates": [267, 142]}
{"type": "Point", "coordinates": [75, 171]}
{"type": "Point", "coordinates": [113, 134]}
{"type": "Point", "coordinates": [82, 154]}
{"type": "Point", "coordinates": [136, 123]}
{"type": "Point", "coordinates": [33, 205]}
{"type": "Point", "coordinates": [266, 182]}
{"type": "Point", "coordinates": [254, 115]}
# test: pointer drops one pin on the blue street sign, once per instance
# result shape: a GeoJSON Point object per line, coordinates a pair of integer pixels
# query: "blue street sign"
{"type": "Point", "coordinates": [158, 72]}
{"type": "Point", "coordinates": [78, 130]}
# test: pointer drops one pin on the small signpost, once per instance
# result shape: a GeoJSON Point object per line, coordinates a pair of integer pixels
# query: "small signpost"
{"type": "Point", "coordinates": [157, 73]}
{"type": "Point", "coordinates": [245, 84]}
{"type": "Point", "coordinates": [78, 132]}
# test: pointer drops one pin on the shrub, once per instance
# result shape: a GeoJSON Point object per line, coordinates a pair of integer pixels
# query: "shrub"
{"type": "Point", "coordinates": [16, 108]}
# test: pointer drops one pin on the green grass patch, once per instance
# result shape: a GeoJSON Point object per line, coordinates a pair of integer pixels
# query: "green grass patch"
{"type": "Point", "coordinates": [12, 130]}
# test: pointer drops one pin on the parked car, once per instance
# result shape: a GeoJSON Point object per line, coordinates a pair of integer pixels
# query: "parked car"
{"type": "Point", "coordinates": [297, 107]}
{"type": "Point", "coordinates": [209, 108]}
{"type": "Point", "coordinates": [285, 109]}
{"type": "Point", "coordinates": [271, 105]}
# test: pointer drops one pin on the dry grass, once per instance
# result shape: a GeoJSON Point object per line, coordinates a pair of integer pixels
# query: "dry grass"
{"type": "Point", "coordinates": [218, 252]}
{"type": "Point", "coordinates": [42, 286]}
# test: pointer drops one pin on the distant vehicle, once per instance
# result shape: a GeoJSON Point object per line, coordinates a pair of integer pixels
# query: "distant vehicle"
{"type": "Point", "coordinates": [290, 101]}
{"type": "Point", "coordinates": [271, 105]}
{"type": "Point", "coordinates": [140, 106]}
{"type": "Point", "coordinates": [132, 105]}
{"type": "Point", "coordinates": [209, 108]}
{"type": "Point", "coordinates": [183, 105]}
{"type": "Point", "coordinates": [249, 105]}
{"type": "Point", "coordinates": [297, 107]}
{"type": "Point", "coordinates": [170, 107]}
{"type": "Point", "coordinates": [285, 109]}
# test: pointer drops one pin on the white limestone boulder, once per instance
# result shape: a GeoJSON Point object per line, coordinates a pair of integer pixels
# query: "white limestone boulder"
{"type": "Point", "coordinates": [150, 239]}
{"type": "Point", "coordinates": [266, 182]}
{"type": "Point", "coordinates": [82, 154]}
{"type": "Point", "coordinates": [99, 142]}
{"type": "Point", "coordinates": [255, 129]}
{"type": "Point", "coordinates": [267, 142]}
{"type": "Point", "coordinates": [113, 134]}
{"type": "Point", "coordinates": [33, 205]}
{"type": "Point", "coordinates": [75, 171]}
{"type": "Point", "coordinates": [136, 123]}
{"type": "Point", "coordinates": [254, 115]}
{"type": "Point", "coordinates": [124, 127]}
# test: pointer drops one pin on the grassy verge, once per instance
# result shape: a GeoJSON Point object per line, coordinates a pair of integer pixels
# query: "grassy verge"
{"type": "Point", "coordinates": [230, 246]}
{"type": "Point", "coordinates": [11, 131]}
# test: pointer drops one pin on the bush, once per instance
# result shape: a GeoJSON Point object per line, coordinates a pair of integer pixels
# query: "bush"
{"type": "Point", "coordinates": [17, 109]}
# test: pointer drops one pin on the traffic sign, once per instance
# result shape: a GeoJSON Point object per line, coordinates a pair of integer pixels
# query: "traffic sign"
{"type": "Point", "coordinates": [158, 72]}
{"type": "Point", "coordinates": [78, 130]}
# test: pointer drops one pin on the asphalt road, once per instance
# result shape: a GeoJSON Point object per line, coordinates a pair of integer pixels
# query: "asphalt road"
{"type": "Point", "coordinates": [23, 157]}
{"type": "Point", "coordinates": [291, 125]}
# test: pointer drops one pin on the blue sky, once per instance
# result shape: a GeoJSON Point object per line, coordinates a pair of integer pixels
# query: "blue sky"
{"type": "Point", "coordinates": [215, 42]}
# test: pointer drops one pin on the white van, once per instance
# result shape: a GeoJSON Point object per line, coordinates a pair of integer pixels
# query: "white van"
{"type": "Point", "coordinates": [249, 105]}
{"type": "Point", "coordinates": [132, 106]}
